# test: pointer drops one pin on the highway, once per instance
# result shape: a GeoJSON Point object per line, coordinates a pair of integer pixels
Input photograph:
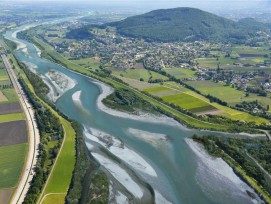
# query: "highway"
{"type": "Point", "coordinates": [33, 138]}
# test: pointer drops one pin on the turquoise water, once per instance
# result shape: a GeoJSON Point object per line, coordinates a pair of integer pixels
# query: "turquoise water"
{"type": "Point", "coordinates": [177, 167]}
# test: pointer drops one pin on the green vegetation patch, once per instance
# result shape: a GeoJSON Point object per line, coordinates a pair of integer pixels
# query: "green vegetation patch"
{"type": "Point", "coordinates": [11, 117]}
{"type": "Point", "coordinates": [11, 163]}
{"type": "Point", "coordinates": [138, 74]}
{"type": "Point", "coordinates": [125, 100]}
{"type": "Point", "coordinates": [10, 94]}
{"type": "Point", "coordinates": [180, 73]}
{"type": "Point", "coordinates": [54, 198]}
{"type": "Point", "coordinates": [188, 102]}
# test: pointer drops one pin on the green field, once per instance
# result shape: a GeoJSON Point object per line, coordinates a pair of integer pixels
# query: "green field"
{"type": "Point", "coordinates": [10, 94]}
{"type": "Point", "coordinates": [11, 117]}
{"type": "Point", "coordinates": [226, 111]}
{"type": "Point", "coordinates": [183, 100]}
{"type": "Point", "coordinates": [11, 163]}
{"type": "Point", "coordinates": [251, 50]}
{"type": "Point", "coordinates": [227, 93]}
{"type": "Point", "coordinates": [90, 63]}
{"type": "Point", "coordinates": [139, 74]}
{"type": "Point", "coordinates": [189, 102]}
{"type": "Point", "coordinates": [3, 73]}
{"type": "Point", "coordinates": [60, 178]}
{"type": "Point", "coordinates": [180, 73]}
{"type": "Point", "coordinates": [54, 198]}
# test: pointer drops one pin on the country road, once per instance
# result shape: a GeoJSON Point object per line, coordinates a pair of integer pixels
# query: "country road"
{"type": "Point", "coordinates": [33, 138]}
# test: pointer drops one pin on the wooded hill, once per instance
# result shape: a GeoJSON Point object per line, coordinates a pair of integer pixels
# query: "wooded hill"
{"type": "Point", "coordinates": [187, 24]}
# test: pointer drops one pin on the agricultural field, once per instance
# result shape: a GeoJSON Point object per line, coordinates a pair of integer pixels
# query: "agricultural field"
{"type": "Point", "coordinates": [227, 93]}
{"type": "Point", "coordinates": [139, 74]}
{"type": "Point", "coordinates": [13, 137]}
{"type": "Point", "coordinates": [11, 163]}
{"type": "Point", "coordinates": [10, 94]}
{"type": "Point", "coordinates": [223, 110]}
{"type": "Point", "coordinates": [183, 100]}
{"type": "Point", "coordinates": [88, 63]}
{"type": "Point", "coordinates": [180, 73]}
{"type": "Point", "coordinates": [239, 55]}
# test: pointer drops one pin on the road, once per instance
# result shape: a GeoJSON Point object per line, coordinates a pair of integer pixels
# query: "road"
{"type": "Point", "coordinates": [33, 138]}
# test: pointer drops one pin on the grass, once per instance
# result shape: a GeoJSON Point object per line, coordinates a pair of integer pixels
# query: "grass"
{"type": "Point", "coordinates": [10, 94]}
{"type": "Point", "coordinates": [227, 112]}
{"type": "Point", "coordinates": [139, 74]}
{"type": "Point", "coordinates": [54, 198]}
{"type": "Point", "coordinates": [181, 99]}
{"type": "Point", "coordinates": [61, 174]}
{"type": "Point", "coordinates": [11, 117]}
{"type": "Point", "coordinates": [11, 163]}
{"type": "Point", "coordinates": [250, 50]}
{"type": "Point", "coordinates": [3, 73]}
{"type": "Point", "coordinates": [227, 93]}
{"type": "Point", "coordinates": [188, 102]}
{"type": "Point", "coordinates": [92, 63]}
{"type": "Point", "coordinates": [180, 73]}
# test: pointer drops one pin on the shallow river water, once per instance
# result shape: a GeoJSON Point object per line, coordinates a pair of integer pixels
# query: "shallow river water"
{"type": "Point", "coordinates": [144, 157]}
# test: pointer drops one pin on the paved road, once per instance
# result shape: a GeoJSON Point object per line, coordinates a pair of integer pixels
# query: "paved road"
{"type": "Point", "coordinates": [33, 138]}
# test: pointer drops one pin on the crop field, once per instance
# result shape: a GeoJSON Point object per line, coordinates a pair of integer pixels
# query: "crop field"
{"type": "Point", "coordinates": [11, 164]}
{"type": "Point", "coordinates": [5, 195]}
{"type": "Point", "coordinates": [54, 198]}
{"type": "Point", "coordinates": [140, 85]}
{"type": "Point", "coordinates": [251, 50]}
{"type": "Point", "coordinates": [139, 74]}
{"type": "Point", "coordinates": [180, 73]}
{"type": "Point", "coordinates": [11, 117]}
{"type": "Point", "coordinates": [183, 100]}
{"type": "Point", "coordinates": [12, 133]}
{"type": "Point", "coordinates": [92, 63]}
{"type": "Point", "coordinates": [225, 111]}
{"type": "Point", "coordinates": [188, 102]}
{"type": "Point", "coordinates": [10, 95]}
{"type": "Point", "coordinates": [8, 108]}
{"type": "Point", "coordinates": [227, 93]}
{"type": "Point", "coordinates": [3, 98]}
{"type": "Point", "coordinates": [3, 73]}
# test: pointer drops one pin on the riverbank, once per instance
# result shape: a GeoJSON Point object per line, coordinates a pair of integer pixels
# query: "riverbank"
{"type": "Point", "coordinates": [217, 167]}
{"type": "Point", "coordinates": [233, 152]}
{"type": "Point", "coordinates": [141, 116]}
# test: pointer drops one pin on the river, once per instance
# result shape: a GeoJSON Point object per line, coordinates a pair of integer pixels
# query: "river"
{"type": "Point", "coordinates": [141, 153]}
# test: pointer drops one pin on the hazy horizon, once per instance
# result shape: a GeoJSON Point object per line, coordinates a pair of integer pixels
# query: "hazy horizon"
{"type": "Point", "coordinates": [151, 4]}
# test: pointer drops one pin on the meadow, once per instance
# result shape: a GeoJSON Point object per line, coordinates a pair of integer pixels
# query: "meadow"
{"type": "Point", "coordinates": [178, 98]}
{"type": "Point", "coordinates": [225, 111]}
{"type": "Point", "coordinates": [139, 74]}
{"type": "Point", "coordinates": [180, 73]}
{"type": "Point", "coordinates": [226, 93]}
{"type": "Point", "coordinates": [11, 163]}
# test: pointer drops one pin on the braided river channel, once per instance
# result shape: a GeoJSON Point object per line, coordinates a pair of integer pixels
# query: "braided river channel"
{"type": "Point", "coordinates": [148, 159]}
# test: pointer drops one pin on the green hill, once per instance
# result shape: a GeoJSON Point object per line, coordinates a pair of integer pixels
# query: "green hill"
{"type": "Point", "coordinates": [186, 24]}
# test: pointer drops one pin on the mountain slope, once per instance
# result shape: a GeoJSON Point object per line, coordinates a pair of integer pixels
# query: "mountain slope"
{"type": "Point", "coordinates": [184, 24]}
